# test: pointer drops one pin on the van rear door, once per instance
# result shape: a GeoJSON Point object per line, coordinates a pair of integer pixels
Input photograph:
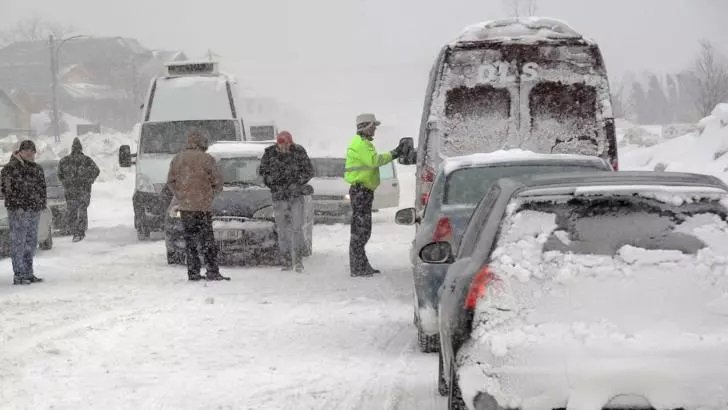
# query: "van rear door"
{"type": "Point", "coordinates": [387, 194]}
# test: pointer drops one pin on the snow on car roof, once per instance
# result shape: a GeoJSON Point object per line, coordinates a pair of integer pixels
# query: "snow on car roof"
{"type": "Point", "coordinates": [452, 164]}
{"type": "Point", "coordinates": [669, 194]}
{"type": "Point", "coordinates": [522, 29]}
{"type": "Point", "coordinates": [225, 149]}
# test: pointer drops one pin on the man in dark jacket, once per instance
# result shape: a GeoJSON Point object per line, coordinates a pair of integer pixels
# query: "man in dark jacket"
{"type": "Point", "coordinates": [195, 179]}
{"type": "Point", "coordinates": [24, 188]}
{"type": "Point", "coordinates": [77, 172]}
{"type": "Point", "coordinates": [286, 170]}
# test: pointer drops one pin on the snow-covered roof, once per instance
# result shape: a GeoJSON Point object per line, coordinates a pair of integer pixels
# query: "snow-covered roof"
{"type": "Point", "coordinates": [452, 164]}
{"type": "Point", "coordinates": [521, 29]}
{"type": "Point", "coordinates": [229, 149]}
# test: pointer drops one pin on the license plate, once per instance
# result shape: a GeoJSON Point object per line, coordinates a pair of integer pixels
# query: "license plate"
{"type": "Point", "coordinates": [228, 235]}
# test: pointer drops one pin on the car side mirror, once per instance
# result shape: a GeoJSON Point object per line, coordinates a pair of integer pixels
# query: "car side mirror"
{"type": "Point", "coordinates": [125, 156]}
{"type": "Point", "coordinates": [436, 253]}
{"type": "Point", "coordinates": [406, 217]}
{"type": "Point", "coordinates": [409, 153]}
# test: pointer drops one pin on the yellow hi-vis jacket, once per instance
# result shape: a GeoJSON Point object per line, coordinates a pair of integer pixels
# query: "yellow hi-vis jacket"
{"type": "Point", "coordinates": [363, 162]}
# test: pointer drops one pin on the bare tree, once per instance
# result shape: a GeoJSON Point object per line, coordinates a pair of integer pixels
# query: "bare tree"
{"type": "Point", "coordinates": [518, 8]}
{"type": "Point", "coordinates": [711, 78]}
{"type": "Point", "coordinates": [32, 29]}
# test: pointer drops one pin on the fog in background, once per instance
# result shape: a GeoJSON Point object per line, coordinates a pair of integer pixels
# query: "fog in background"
{"type": "Point", "coordinates": [330, 59]}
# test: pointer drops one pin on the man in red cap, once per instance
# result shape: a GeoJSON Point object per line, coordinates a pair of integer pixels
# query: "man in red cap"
{"type": "Point", "coordinates": [286, 170]}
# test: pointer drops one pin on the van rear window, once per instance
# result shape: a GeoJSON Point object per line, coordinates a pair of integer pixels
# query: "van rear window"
{"type": "Point", "coordinates": [477, 119]}
{"type": "Point", "coordinates": [563, 118]}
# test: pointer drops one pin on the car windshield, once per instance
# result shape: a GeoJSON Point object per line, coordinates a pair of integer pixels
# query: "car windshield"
{"type": "Point", "coordinates": [328, 167]}
{"type": "Point", "coordinates": [171, 137]}
{"type": "Point", "coordinates": [468, 185]}
{"type": "Point", "coordinates": [240, 171]}
{"type": "Point", "coordinates": [262, 133]}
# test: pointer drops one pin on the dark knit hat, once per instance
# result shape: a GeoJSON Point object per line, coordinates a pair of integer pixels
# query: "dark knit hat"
{"type": "Point", "coordinates": [27, 145]}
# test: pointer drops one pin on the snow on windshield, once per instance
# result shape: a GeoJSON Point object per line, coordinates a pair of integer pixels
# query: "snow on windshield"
{"type": "Point", "coordinates": [607, 286]}
{"type": "Point", "coordinates": [190, 98]}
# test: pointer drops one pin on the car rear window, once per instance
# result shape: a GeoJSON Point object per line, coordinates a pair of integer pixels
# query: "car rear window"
{"type": "Point", "coordinates": [468, 185]}
{"type": "Point", "coordinates": [552, 238]}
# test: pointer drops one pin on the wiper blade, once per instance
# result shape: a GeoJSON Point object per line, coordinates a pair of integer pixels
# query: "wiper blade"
{"type": "Point", "coordinates": [241, 183]}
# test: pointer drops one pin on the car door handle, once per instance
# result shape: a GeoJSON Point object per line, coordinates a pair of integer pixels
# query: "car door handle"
{"type": "Point", "coordinates": [394, 184]}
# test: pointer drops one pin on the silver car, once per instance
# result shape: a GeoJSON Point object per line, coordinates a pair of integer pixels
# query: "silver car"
{"type": "Point", "coordinates": [331, 191]}
{"type": "Point", "coordinates": [457, 190]}
{"type": "Point", "coordinates": [621, 274]}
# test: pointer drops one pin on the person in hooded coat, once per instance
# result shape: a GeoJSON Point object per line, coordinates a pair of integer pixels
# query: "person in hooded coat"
{"type": "Point", "coordinates": [77, 173]}
{"type": "Point", "coordinates": [195, 179]}
{"type": "Point", "coordinates": [23, 185]}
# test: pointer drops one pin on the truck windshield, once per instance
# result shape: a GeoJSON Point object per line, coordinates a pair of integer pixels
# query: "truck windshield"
{"type": "Point", "coordinates": [170, 137]}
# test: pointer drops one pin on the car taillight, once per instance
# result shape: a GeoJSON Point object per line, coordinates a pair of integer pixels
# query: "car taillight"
{"type": "Point", "coordinates": [443, 230]}
{"type": "Point", "coordinates": [615, 165]}
{"type": "Point", "coordinates": [478, 287]}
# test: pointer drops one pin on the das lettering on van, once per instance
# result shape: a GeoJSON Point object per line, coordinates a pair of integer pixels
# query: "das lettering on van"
{"type": "Point", "coordinates": [500, 72]}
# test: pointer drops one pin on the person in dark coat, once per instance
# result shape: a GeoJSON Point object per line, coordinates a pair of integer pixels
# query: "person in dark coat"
{"type": "Point", "coordinates": [195, 180]}
{"type": "Point", "coordinates": [77, 172]}
{"type": "Point", "coordinates": [286, 170]}
{"type": "Point", "coordinates": [23, 185]}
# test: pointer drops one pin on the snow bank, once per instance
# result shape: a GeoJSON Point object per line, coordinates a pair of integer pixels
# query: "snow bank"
{"type": "Point", "coordinates": [102, 148]}
{"type": "Point", "coordinates": [702, 152]}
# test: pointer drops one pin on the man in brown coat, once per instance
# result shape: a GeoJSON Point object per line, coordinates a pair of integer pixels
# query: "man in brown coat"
{"type": "Point", "coordinates": [194, 179]}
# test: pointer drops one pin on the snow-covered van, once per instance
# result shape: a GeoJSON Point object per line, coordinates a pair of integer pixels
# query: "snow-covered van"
{"type": "Point", "coordinates": [191, 95]}
{"type": "Point", "coordinates": [529, 83]}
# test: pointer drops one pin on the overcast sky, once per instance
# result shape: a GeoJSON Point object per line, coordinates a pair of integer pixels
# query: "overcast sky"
{"type": "Point", "coordinates": [345, 55]}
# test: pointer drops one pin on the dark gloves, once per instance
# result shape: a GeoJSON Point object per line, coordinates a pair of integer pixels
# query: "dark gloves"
{"type": "Point", "coordinates": [300, 189]}
{"type": "Point", "coordinates": [397, 152]}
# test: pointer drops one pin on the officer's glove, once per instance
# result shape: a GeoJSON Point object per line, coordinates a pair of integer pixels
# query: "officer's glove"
{"type": "Point", "coordinates": [397, 152]}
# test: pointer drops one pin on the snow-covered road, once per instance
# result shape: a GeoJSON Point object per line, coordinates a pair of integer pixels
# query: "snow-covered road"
{"type": "Point", "coordinates": [114, 326]}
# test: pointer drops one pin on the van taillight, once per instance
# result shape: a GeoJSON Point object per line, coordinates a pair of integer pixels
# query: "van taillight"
{"type": "Point", "coordinates": [424, 199]}
{"type": "Point", "coordinates": [478, 287]}
{"type": "Point", "coordinates": [443, 230]}
{"type": "Point", "coordinates": [428, 175]}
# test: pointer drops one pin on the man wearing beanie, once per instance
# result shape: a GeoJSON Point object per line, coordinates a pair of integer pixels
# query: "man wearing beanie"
{"type": "Point", "coordinates": [286, 170]}
{"type": "Point", "coordinates": [24, 187]}
{"type": "Point", "coordinates": [77, 172]}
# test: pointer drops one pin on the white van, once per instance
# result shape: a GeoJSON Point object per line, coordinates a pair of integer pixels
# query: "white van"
{"type": "Point", "coordinates": [191, 95]}
{"type": "Point", "coordinates": [529, 83]}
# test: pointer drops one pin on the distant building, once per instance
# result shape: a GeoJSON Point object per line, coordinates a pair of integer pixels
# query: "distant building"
{"type": "Point", "coordinates": [103, 79]}
{"type": "Point", "coordinates": [14, 119]}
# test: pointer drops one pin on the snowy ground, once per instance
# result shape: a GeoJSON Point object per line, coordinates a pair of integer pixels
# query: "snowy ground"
{"type": "Point", "coordinates": [114, 327]}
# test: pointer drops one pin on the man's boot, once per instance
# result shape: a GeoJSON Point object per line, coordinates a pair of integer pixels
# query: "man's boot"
{"type": "Point", "coordinates": [195, 277]}
{"type": "Point", "coordinates": [21, 280]}
{"type": "Point", "coordinates": [34, 279]}
{"type": "Point", "coordinates": [215, 276]}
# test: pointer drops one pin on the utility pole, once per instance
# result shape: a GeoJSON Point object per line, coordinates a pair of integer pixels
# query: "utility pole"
{"type": "Point", "coordinates": [54, 90]}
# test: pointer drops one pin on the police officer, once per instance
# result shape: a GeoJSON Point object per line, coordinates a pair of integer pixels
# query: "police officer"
{"type": "Point", "coordinates": [362, 173]}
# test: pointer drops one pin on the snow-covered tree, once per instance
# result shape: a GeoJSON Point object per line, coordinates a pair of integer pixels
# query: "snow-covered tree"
{"type": "Point", "coordinates": [711, 76]}
{"type": "Point", "coordinates": [32, 29]}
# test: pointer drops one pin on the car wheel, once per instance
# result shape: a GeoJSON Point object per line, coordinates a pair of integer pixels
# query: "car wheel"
{"type": "Point", "coordinates": [455, 398]}
{"type": "Point", "coordinates": [48, 243]}
{"type": "Point", "coordinates": [428, 343]}
{"type": "Point", "coordinates": [175, 258]}
{"type": "Point", "coordinates": [442, 387]}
